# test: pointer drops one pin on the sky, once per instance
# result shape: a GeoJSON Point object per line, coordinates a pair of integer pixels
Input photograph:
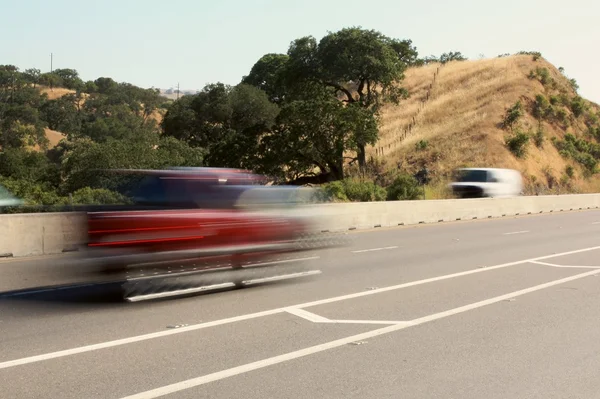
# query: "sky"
{"type": "Point", "coordinates": [153, 43]}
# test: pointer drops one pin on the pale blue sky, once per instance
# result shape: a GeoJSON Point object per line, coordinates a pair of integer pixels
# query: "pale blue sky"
{"type": "Point", "coordinates": [161, 42]}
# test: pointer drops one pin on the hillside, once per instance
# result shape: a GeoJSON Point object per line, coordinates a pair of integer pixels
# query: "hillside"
{"type": "Point", "coordinates": [454, 114]}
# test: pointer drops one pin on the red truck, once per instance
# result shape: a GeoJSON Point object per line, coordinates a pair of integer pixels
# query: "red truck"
{"type": "Point", "coordinates": [204, 226]}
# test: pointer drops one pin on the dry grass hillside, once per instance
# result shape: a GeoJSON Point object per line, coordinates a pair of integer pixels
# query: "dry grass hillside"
{"type": "Point", "coordinates": [453, 119]}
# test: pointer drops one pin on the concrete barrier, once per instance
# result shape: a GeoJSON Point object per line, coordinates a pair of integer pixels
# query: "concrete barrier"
{"type": "Point", "coordinates": [41, 233]}
{"type": "Point", "coordinates": [54, 233]}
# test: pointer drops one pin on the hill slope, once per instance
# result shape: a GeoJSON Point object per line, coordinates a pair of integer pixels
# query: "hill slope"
{"type": "Point", "coordinates": [454, 114]}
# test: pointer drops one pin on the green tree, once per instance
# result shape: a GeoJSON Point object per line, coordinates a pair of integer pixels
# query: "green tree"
{"type": "Point", "coordinates": [62, 114]}
{"type": "Point", "coordinates": [313, 136]}
{"type": "Point", "coordinates": [70, 78]}
{"type": "Point", "coordinates": [32, 76]}
{"type": "Point", "coordinates": [20, 124]}
{"type": "Point", "coordinates": [50, 79]}
{"type": "Point", "coordinates": [227, 121]}
{"type": "Point", "coordinates": [364, 67]}
{"type": "Point", "coordinates": [452, 56]}
{"type": "Point", "coordinates": [268, 74]}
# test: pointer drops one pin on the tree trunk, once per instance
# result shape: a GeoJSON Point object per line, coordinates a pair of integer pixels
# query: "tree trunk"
{"type": "Point", "coordinates": [362, 157]}
{"type": "Point", "coordinates": [318, 179]}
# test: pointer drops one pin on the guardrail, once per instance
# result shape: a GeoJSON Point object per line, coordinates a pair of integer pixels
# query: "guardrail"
{"type": "Point", "coordinates": [29, 234]}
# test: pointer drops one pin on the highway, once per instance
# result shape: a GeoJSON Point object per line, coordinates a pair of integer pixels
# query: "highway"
{"type": "Point", "coordinates": [499, 308]}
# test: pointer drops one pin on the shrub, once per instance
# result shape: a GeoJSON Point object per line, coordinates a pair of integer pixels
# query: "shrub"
{"type": "Point", "coordinates": [544, 75]}
{"type": "Point", "coordinates": [580, 150]}
{"type": "Point", "coordinates": [562, 116]}
{"type": "Point", "coordinates": [513, 114]}
{"type": "Point", "coordinates": [353, 190]}
{"type": "Point", "coordinates": [535, 54]}
{"type": "Point", "coordinates": [578, 106]}
{"type": "Point", "coordinates": [570, 171]}
{"type": "Point", "coordinates": [574, 84]}
{"type": "Point", "coordinates": [404, 187]}
{"type": "Point", "coordinates": [541, 107]}
{"type": "Point", "coordinates": [421, 145]}
{"type": "Point", "coordinates": [538, 138]}
{"type": "Point", "coordinates": [96, 196]}
{"type": "Point", "coordinates": [32, 193]}
{"type": "Point", "coordinates": [517, 144]}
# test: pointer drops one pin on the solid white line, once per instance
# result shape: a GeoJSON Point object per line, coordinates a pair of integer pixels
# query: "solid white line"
{"type": "Point", "coordinates": [130, 340]}
{"type": "Point", "coordinates": [194, 382]}
{"type": "Point", "coordinates": [159, 334]}
{"type": "Point", "coordinates": [368, 322]}
{"type": "Point", "coordinates": [374, 249]}
{"type": "Point", "coordinates": [282, 277]}
{"type": "Point", "coordinates": [516, 232]}
{"type": "Point", "coordinates": [565, 266]}
{"type": "Point", "coordinates": [315, 318]}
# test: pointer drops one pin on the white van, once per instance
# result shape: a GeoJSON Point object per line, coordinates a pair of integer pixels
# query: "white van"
{"type": "Point", "coordinates": [487, 182]}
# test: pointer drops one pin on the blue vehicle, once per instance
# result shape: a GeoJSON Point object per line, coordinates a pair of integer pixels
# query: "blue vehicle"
{"type": "Point", "coordinates": [7, 199]}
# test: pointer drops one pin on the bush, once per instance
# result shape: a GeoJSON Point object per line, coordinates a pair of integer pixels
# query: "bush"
{"type": "Point", "coordinates": [574, 84]}
{"type": "Point", "coordinates": [517, 144]}
{"type": "Point", "coordinates": [32, 193]}
{"type": "Point", "coordinates": [535, 54]}
{"type": "Point", "coordinates": [541, 108]}
{"type": "Point", "coordinates": [421, 145]}
{"type": "Point", "coordinates": [538, 138]}
{"type": "Point", "coordinates": [578, 106]}
{"type": "Point", "coordinates": [96, 196]}
{"type": "Point", "coordinates": [584, 152]}
{"type": "Point", "coordinates": [562, 116]}
{"type": "Point", "coordinates": [353, 190]}
{"type": "Point", "coordinates": [570, 171]}
{"type": "Point", "coordinates": [513, 114]}
{"type": "Point", "coordinates": [404, 187]}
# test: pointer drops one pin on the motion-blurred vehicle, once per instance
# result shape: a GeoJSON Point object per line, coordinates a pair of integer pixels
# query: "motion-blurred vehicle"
{"type": "Point", "coordinates": [487, 182]}
{"type": "Point", "coordinates": [7, 199]}
{"type": "Point", "coordinates": [219, 225]}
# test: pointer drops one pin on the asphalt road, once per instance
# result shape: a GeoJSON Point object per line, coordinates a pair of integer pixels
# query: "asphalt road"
{"type": "Point", "coordinates": [483, 309]}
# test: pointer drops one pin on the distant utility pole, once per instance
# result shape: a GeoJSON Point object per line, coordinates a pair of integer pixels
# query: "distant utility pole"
{"type": "Point", "coordinates": [178, 90]}
{"type": "Point", "coordinates": [51, 60]}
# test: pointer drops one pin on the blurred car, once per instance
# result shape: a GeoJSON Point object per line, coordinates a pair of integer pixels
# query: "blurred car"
{"type": "Point", "coordinates": [7, 199]}
{"type": "Point", "coordinates": [486, 182]}
{"type": "Point", "coordinates": [215, 216]}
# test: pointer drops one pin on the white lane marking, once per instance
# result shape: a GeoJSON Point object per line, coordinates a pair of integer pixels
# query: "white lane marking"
{"type": "Point", "coordinates": [516, 232]}
{"type": "Point", "coordinates": [194, 382]}
{"type": "Point", "coordinates": [195, 327]}
{"type": "Point", "coordinates": [374, 249]}
{"type": "Point", "coordinates": [565, 266]}
{"type": "Point", "coordinates": [369, 322]}
{"type": "Point", "coordinates": [315, 318]}
{"type": "Point", "coordinates": [595, 222]}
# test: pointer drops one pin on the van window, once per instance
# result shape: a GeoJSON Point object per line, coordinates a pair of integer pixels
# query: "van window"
{"type": "Point", "coordinates": [472, 176]}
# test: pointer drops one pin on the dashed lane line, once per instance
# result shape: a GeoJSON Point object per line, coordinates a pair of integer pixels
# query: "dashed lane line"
{"type": "Point", "coordinates": [196, 327]}
{"type": "Point", "coordinates": [195, 382]}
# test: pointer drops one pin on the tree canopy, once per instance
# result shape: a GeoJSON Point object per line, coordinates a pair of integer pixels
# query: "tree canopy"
{"type": "Point", "coordinates": [299, 116]}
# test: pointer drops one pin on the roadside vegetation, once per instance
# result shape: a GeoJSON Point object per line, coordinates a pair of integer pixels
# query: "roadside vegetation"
{"type": "Point", "coordinates": [328, 112]}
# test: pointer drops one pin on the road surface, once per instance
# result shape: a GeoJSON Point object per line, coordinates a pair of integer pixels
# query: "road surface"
{"type": "Point", "coordinates": [484, 309]}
